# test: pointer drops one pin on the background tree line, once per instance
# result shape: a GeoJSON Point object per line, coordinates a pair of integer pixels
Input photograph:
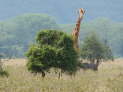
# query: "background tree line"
{"type": "Point", "coordinates": [18, 33]}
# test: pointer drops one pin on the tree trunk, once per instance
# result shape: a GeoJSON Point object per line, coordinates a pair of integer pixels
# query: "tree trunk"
{"type": "Point", "coordinates": [43, 74]}
{"type": "Point", "coordinates": [60, 74]}
{"type": "Point", "coordinates": [97, 64]}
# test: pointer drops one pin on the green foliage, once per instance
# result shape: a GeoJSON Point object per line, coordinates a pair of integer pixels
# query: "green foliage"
{"type": "Point", "coordinates": [1, 56]}
{"type": "Point", "coordinates": [108, 52]}
{"type": "Point", "coordinates": [41, 58]}
{"type": "Point", "coordinates": [4, 73]}
{"type": "Point", "coordinates": [16, 34]}
{"type": "Point", "coordinates": [106, 29]}
{"type": "Point", "coordinates": [52, 49]}
{"type": "Point", "coordinates": [93, 49]}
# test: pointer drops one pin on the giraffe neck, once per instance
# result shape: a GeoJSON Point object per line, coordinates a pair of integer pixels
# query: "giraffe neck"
{"type": "Point", "coordinates": [75, 33]}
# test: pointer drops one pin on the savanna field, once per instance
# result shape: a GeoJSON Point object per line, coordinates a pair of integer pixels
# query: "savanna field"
{"type": "Point", "coordinates": [109, 78]}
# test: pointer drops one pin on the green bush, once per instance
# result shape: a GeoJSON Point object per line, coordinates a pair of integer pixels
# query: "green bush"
{"type": "Point", "coordinates": [53, 49]}
{"type": "Point", "coordinates": [94, 50]}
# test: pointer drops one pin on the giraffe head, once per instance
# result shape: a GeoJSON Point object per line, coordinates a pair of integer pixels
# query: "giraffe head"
{"type": "Point", "coordinates": [81, 12]}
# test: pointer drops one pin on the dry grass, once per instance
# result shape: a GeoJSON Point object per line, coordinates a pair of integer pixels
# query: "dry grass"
{"type": "Point", "coordinates": [109, 78]}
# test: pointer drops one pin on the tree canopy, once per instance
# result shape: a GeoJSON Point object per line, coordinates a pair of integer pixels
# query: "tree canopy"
{"type": "Point", "coordinates": [94, 50]}
{"type": "Point", "coordinates": [53, 48]}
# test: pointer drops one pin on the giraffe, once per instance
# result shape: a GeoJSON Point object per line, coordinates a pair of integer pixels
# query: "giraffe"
{"type": "Point", "coordinates": [76, 30]}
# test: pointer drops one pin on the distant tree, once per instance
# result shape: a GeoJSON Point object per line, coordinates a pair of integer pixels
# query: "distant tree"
{"type": "Point", "coordinates": [95, 51]}
{"type": "Point", "coordinates": [108, 52]}
{"type": "Point", "coordinates": [1, 56]}
{"type": "Point", "coordinates": [52, 49]}
{"type": "Point", "coordinates": [13, 32]}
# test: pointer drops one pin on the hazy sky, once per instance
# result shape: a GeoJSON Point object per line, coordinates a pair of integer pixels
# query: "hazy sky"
{"type": "Point", "coordinates": [63, 10]}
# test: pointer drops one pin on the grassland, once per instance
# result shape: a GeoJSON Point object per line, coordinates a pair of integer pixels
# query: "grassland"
{"type": "Point", "coordinates": [109, 78]}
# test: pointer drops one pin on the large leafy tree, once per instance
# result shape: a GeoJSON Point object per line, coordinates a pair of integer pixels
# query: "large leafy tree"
{"type": "Point", "coordinates": [52, 49]}
{"type": "Point", "coordinates": [94, 50]}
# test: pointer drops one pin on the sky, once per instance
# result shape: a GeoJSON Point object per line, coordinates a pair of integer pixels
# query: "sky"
{"type": "Point", "coordinates": [64, 11]}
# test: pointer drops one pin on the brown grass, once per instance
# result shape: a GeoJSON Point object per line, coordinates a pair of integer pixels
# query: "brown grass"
{"type": "Point", "coordinates": [109, 78]}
